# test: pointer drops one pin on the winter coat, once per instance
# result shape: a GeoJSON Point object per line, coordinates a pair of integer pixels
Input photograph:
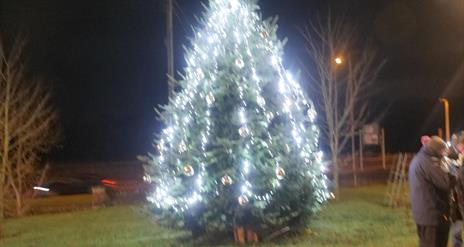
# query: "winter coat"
{"type": "Point", "coordinates": [430, 187]}
{"type": "Point", "coordinates": [459, 194]}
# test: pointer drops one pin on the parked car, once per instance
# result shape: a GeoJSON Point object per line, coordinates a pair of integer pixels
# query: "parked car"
{"type": "Point", "coordinates": [125, 188]}
{"type": "Point", "coordinates": [80, 184]}
{"type": "Point", "coordinates": [117, 189]}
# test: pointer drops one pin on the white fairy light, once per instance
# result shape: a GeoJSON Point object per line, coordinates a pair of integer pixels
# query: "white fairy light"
{"type": "Point", "coordinates": [244, 131]}
{"type": "Point", "coordinates": [147, 178]}
{"type": "Point", "coordinates": [246, 166]}
{"type": "Point", "coordinates": [274, 60]}
{"type": "Point", "coordinates": [289, 76]}
{"type": "Point", "coordinates": [320, 155]}
{"type": "Point", "coordinates": [282, 87]}
{"type": "Point", "coordinates": [261, 101]}
{"type": "Point", "coordinates": [211, 39]}
{"type": "Point", "coordinates": [182, 146]}
{"type": "Point", "coordinates": [242, 116]}
{"type": "Point", "coordinates": [269, 116]}
{"type": "Point", "coordinates": [287, 105]}
{"type": "Point", "coordinates": [210, 99]}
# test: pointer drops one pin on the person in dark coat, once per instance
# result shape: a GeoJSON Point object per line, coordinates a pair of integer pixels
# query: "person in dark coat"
{"type": "Point", "coordinates": [457, 194]}
{"type": "Point", "coordinates": [430, 184]}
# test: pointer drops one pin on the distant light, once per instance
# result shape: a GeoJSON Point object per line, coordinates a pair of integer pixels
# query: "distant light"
{"type": "Point", "coordinates": [41, 188]}
{"type": "Point", "coordinates": [338, 60]}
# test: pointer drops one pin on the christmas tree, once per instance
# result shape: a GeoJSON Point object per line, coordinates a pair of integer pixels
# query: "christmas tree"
{"type": "Point", "coordinates": [240, 144]}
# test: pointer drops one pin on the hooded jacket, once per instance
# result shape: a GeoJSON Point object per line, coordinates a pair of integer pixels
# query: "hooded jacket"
{"type": "Point", "coordinates": [430, 187]}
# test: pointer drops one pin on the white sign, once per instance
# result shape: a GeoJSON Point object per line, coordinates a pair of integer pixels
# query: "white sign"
{"type": "Point", "coordinates": [371, 134]}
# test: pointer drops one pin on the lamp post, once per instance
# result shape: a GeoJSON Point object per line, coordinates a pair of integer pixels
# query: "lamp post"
{"type": "Point", "coordinates": [170, 46]}
{"type": "Point", "coordinates": [447, 122]}
{"type": "Point", "coordinates": [339, 61]}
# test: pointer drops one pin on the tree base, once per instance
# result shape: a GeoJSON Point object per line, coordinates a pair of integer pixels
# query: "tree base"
{"type": "Point", "coordinates": [243, 235]}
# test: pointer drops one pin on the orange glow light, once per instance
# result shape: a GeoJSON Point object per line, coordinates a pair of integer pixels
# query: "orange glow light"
{"type": "Point", "coordinates": [109, 181]}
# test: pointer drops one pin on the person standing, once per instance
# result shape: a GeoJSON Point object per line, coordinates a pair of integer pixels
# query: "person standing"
{"type": "Point", "coordinates": [430, 186]}
{"type": "Point", "coordinates": [457, 193]}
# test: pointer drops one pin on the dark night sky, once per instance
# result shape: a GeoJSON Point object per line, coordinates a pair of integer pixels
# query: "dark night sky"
{"type": "Point", "coordinates": [105, 60]}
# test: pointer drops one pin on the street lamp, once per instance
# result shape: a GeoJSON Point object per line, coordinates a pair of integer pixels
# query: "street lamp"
{"type": "Point", "coordinates": [447, 122]}
{"type": "Point", "coordinates": [339, 61]}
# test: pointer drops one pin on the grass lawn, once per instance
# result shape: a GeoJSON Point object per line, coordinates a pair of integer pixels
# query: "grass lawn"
{"type": "Point", "coordinates": [357, 219]}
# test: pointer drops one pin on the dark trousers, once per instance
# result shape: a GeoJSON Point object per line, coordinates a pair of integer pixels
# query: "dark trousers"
{"type": "Point", "coordinates": [433, 236]}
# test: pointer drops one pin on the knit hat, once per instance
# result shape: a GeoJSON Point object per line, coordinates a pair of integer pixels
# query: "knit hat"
{"type": "Point", "coordinates": [435, 146]}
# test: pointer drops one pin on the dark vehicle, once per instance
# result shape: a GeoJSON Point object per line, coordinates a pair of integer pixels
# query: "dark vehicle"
{"type": "Point", "coordinates": [81, 184]}
{"type": "Point", "coordinates": [127, 189]}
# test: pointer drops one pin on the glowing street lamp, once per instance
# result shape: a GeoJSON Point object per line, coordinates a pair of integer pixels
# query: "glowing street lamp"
{"type": "Point", "coordinates": [338, 60]}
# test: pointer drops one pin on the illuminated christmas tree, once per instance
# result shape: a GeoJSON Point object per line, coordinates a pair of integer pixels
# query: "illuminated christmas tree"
{"type": "Point", "coordinates": [240, 146]}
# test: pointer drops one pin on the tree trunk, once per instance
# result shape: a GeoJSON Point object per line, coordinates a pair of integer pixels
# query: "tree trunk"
{"type": "Point", "coordinates": [336, 175]}
{"type": "Point", "coordinates": [20, 176]}
{"type": "Point", "coordinates": [19, 204]}
{"type": "Point", "coordinates": [5, 151]}
{"type": "Point", "coordinates": [335, 166]}
{"type": "Point", "coordinates": [16, 192]}
{"type": "Point", "coordinates": [239, 235]}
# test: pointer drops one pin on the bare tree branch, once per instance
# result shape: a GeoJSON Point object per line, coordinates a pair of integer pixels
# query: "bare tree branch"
{"type": "Point", "coordinates": [341, 88]}
{"type": "Point", "coordinates": [28, 128]}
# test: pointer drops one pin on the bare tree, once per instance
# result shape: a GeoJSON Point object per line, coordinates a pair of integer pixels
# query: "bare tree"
{"type": "Point", "coordinates": [28, 126]}
{"type": "Point", "coordinates": [344, 68]}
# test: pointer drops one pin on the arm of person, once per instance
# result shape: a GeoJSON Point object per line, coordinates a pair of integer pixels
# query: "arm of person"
{"type": "Point", "coordinates": [439, 178]}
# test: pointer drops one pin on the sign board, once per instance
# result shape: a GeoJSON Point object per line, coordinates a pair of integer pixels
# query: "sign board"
{"type": "Point", "coordinates": [371, 134]}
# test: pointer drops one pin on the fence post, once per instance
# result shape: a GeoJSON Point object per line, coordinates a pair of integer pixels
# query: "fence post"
{"type": "Point", "coordinates": [99, 196]}
{"type": "Point", "coordinates": [361, 154]}
{"type": "Point", "coordinates": [384, 165]}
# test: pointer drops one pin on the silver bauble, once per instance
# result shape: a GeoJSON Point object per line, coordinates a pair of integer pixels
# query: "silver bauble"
{"type": "Point", "coordinates": [189, 171]}
{"type": "Point", "coordinates": [239, 63]}
{"type": "Point", "coordinates": [280, 173]}
{"type": "Point", "coordinates": [226, 180]}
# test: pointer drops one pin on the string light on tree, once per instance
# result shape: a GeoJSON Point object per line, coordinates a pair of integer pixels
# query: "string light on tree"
{"type": "Point", "coordinates": [312, 114]}
{"type": "Point", "coordinates": [182, 147]}
{"type": "Point", "coordinates": [210, 99]}
{"type": "Point", "coordinates": [269, 116]}
{"type": "Point", "coordinates": [244, 131]}
{"type": "Point", "coordinates": [243, 200]}
{"type": "Point", "coordinates": [200, 74]}
{"type": "Point", "coordinates": [261, 101]}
